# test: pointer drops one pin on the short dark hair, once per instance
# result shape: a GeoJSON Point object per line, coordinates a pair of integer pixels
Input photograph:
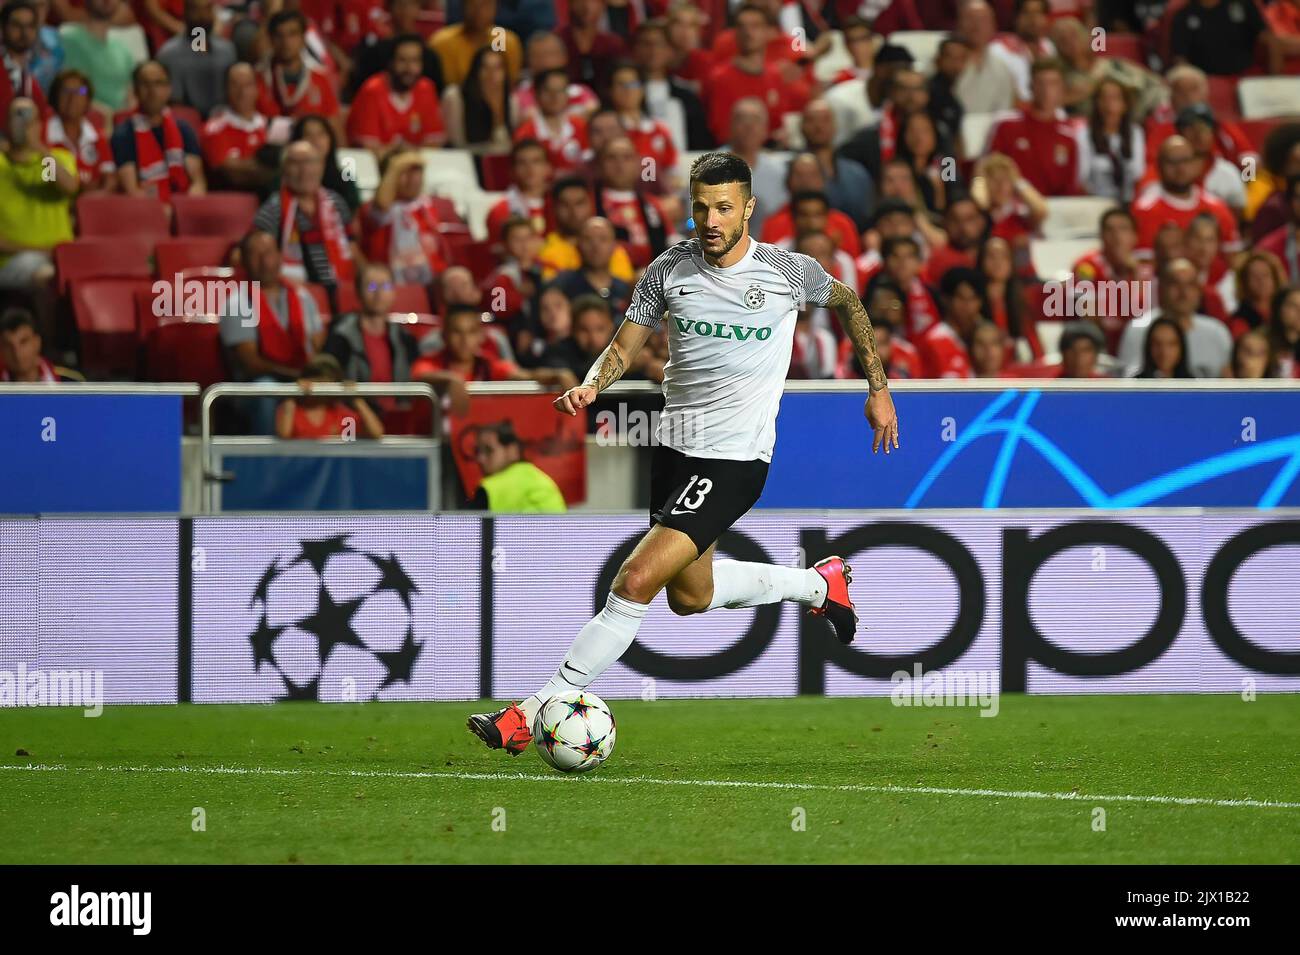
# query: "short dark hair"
{"type": "Point", "coordinates": [809, 195]}
{"type": "Point", "coordinates": [360, 280]}
{"type": "Point", "coordinates": [455, 310]}
{"type": "Point", "coordinates": [545, 75]}
{"type": "Point", "coordinates": [589, 303]}
{"type": "Point", "coordinates": [565, 183]}
{"type": "Point", "coordinates": [1116, 211]}
{"type": "Point", "coordinates": [140, 67]}
{"type": "Point", "coordinates": [56, 85]}
{"type": "Point", "coordinates": [512, 223]}
{"type": "Point", "coordinates": [888, 247]}
{"type": "Point", "coordinates": [283, 17]}
{"type": "Point", "coordinates": [715, 169]}
{"type": "Point", "coordinates": [401, 40]}
{"type": "Point", "coordinates": [15, 318]}
{"type": "Point", "coordinates": [13, 6]}
{"type": "Point", "coordinates": [528, 142]}
{"type": "Point", "coordinates": [958, 276]}
{"type": "Point", "coordinates": [504, 431]}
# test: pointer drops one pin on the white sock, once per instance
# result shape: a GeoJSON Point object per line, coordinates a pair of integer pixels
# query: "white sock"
{"type": "Point", "coordinates": [738, 584]}
{"type": "Point", "coordinates": [603, 640]}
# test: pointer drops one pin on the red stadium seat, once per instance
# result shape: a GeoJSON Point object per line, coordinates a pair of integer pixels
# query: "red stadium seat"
{"type": "Point", "coordinates": [218, 286]}
{"type": "Point", "coordinates": [105, 312]}
{"type": "Point", "coordinates": [410, 298]}
{"type": "Point", "coordinates": [186, 349]}
{"type": "Point", "coordinates": [215, 214]}
{"type": "Point", "coordinates": [496, 172]}
{"type": "Point", "coordinates": [123, 256]}
{"type": "Point", "coordinates": [1223, 97]}
{"type": "Point", "coordinates": [1257, 130]}
{"type": "Point", "coordinates": [177, 255]}
{"type": "Point", "coordinates": [478, 257]}
{"type": "Point", "coordinates": [100, 214]}
{"type": "Point", "coordinates": [1125, 46]}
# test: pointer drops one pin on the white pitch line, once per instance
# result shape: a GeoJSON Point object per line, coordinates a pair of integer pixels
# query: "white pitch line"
{"type": "Point", "coordinates": [650, 781]}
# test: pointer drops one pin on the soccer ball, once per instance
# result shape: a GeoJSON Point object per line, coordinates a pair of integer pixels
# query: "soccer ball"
{"type": "Point", "coordinates": [574, 731]}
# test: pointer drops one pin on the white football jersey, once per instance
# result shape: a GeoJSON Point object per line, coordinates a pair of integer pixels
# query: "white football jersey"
{"type": "Point", "coordinates": [730, 333]}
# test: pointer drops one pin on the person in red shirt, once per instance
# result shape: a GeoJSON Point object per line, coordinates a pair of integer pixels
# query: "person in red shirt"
{"type": "Point", "coordinates": [639, 219]}
{"type": "Point", "coordinates": [1282, 242]}
{"type": "Point", "coordinates": [592, 51]}
{"type": "Point", "coordinates": [462, 354]}
{"type": "Point", "coordinates": [553, 125]}
{"type": "Point", "coordinates": [400, 226]}
{"type": "Point", "coordinates": [748, 75]}
{"type": "Point", "coordinates": [1189, 86]}
{"type": "Point", "coordinates": [290, 83]}
{"type": "Point", "coordinates": [1117, 265]}
{"type": "Point", "coordinates": [309, 417]}
{"type": "Point", "coordinates": [652, 139]}
{"type": "Point", "coordinates": [1177, 199]}
{"type": "Point", "coordinates": [804, 174]}
{"type": "Point", "coordinates": [944, 348]}
{"type": "Point", "coordinates": [901, 259]}
{"type": "Point", "coordinates": [543, 52]}
{"type": "Point", "coordinates": [235, 132]}
{"type": "Point", "coordinates": [530, 170]}
{"type": "Point", "coordinates": [398, 105]}
{"type": "Point", "coordinates": [897, 357]}
{"type": "Point", "coordinates": [71, 126]}
{"type": "Point", "coordinates": [964, 225]}
{"type": "Point", "coordinates": [1040, 139]}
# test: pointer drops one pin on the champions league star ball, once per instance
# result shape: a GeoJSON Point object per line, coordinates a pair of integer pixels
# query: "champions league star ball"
{"type": "Point", "coordinates": [574, 731]}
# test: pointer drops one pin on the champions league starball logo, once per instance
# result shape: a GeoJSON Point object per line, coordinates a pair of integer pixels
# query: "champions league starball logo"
{"type": "Point", "coordinates": [334, 622]}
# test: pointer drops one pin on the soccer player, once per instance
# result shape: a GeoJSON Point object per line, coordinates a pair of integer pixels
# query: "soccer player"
{"type": "Point", "coordinates": [732, 304]}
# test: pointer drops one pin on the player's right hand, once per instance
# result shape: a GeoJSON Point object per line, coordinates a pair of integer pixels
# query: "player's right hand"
{"type": "Point", "coordinates": [575, 398]}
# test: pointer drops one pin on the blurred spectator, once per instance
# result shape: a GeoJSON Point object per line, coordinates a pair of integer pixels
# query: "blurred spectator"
{"type": "Point", "coordinates": [310, 417]}
{"type": "Point", "coordinates": [747, 76]}
{"type": "Point", "coordinates": [1252, 356]}
{"type": "Point", "coordinates": [1013, 205]}
{"type": "Point", "coordinates": [1044, 145]}
{"type": "Point", "coordinates": [1218, 36]}
{"type": "Point", "coordinates": [986, 85]}
{"type": "Point", "coordinates": [47, 55]}
{"type": "Point", "coordinates": [930, 160]}
{"type": "Point", "coordinates": [235, 133]}
{"type": "Point", "coordinates": [849, 186]}
{"type": "Point", "coordinates": [1208, 345]}
{"type": "Point", "coordinates": [18, 45]}
{"type": "Point", "coordinates": [1009, 308]}
{"type": "Point", "coordinates": [667, 98]}
{"type": "Point", "coordinates": [457, 43]}
{"type": "Point", "coordinates": [21, 361]}
{"type": "Point", "coordinates": [1281, 242]}
{"type": "Point", "coordinates": [1259, 278]}
{"type": "Point", "coordinates": [524, 17]}
{"type": "Point", "coordinates": [1028, 43]}
{"type": "Point", "coordinates": [1218, 176]}
{"type": "Point", "coordinates": [1115, 263]}
{"type": "Point", "coordinates": [479, 112]}
{"type": "Point", "coordinates": [652, 139]}
{"type": "Point", "coordinates": [965, 226]}
{"type": "Point", "coordinates": [376, 52]}
{"type": "Point", "coordinates": [545, 52]}
{"type": "Point", "coordinates": [1085, 70]}
{"type": "Point", "coordinates": [1188, 86]}
{"type": "Point", "coordinates": [1081, 345]}
{"type": "Point", "coordinates": [593, 330]}
{"type": "Point", "coordinates": [530, 170]}
{"type": "Point", "coordinates": [685, 33]}
{"type": "Point", "coordinates": [749, 119]}
{"type": "Point", "coordinates": [511, 484]}
{"type": "Point", "coordinates": [88, 47]}
{"type": "Point", "coordinates": [596, 244]}
{"type": "Point", "coordinates": [512, 288]}
{"type": "Point", "coordinates": [860, 44]}
{"type": "Point", "coordinates": [1266, 201]}
{"type": "Point", "coordinates": [812, 240]}
{"type": "Point", "coordinates": [804, 175]}
{"type": "Point", "coordinates": [1284, 332]}
{"type": "Point", "coordinates": [319, 131]}
{"type": "Point", "coordinates": [554, 324]}
{"type": "Point", "coordinates": [397, 105]}
{"type": "Point", "coordinates": [563, 133]}
{"type": "Point", "coordinates": [400, 225]}
{"type": "Point", "coordinates": [813, 351]}
{"type": "Point", "coordinates": [70, 127]}
{"type": "Point", "coordinates": [592, 50]}
{"type": "Point", "coordinates": [571, 206]}
{"type": "Point", "coordinates": [309, 222]}
{"type": "Point", "coordinates": [271, 330]}
{"type": "Point", "coordinates": [897, 357]}
{"type": "Point", "coordinates": [901, 267]}
{"type": "Point", "coordinates": [197, 59]}
{"type": "Point", "coordinates": [462, 355]}
{"type": "Point", "coordinates": [156, 153]}
{"type": "Point", "coordinates": [1114, 149]}
{"type": "Point", "coordinates": [291, 83]}
{"type": "Point", "coordinates": [874, 145]}
{"type": "Point", "coordinates": [988, 351]}
{"type": "Point", "coordinates": [899, 182]}
{"type": "Point", "coordinates": [35, 208]}
{"type": "Point", "coordinates": [893, 217]}
{"type": "Point", "coordinates": [1178, 199]}
{"type": "Point", "coordinates": [944, 106]}
{"type": "Point", "coordinates": [639, 219]}
{"type": "Point", "coordinates": [1164, 351]}
{"type": "Point", "coordinates": [943, 346]}
{"type": "Point", "coordinates": [1201, 247]}
{"type": "Point", "coordinates": [367, 346]}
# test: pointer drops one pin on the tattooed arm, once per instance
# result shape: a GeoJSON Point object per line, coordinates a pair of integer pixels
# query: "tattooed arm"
{"type": "Point", "coordinates": [844, 302]}
{"type": "Point", "coordinates": [612, 364]}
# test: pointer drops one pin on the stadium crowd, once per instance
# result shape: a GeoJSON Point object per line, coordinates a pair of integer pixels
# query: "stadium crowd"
{"type": "Point", "coordinates": [466, 190]}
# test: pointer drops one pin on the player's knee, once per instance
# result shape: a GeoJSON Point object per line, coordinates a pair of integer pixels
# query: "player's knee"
{"type": "Point", "coordinates": [684, 602]}
{"type": "Point", "coordinates": [637, 582]}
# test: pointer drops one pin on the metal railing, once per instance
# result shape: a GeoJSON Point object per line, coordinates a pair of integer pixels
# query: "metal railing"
{"type": "Point", "coordinates": [214, 448]}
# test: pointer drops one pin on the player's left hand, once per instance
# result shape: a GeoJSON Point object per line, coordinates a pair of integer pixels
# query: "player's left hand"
{"type": "Point", "coordinates": [883, 420]}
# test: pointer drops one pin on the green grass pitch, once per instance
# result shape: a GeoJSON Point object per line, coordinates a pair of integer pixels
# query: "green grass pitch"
{"type": "Point", "coordinates": [385, 782]}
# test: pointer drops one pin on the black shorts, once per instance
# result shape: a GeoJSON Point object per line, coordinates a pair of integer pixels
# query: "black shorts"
{"type": "Point", "coordinates": [702, 497]}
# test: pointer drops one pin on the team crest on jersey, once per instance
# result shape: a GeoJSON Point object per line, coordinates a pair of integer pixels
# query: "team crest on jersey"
{"type": "Point", "coordinates": [754, 298]}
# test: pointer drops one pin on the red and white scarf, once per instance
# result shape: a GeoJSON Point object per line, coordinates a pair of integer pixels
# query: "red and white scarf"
{"type": "Point", "coordinates": [46, 374]}
{"type": "Point", "coordinates": [888, 134]}
{"type": "Point", "coordinates": [278, 343]}
{"type": "Point", "coordinates": [327, 230]}
{"type": "Point", "coordinates": [160, 170]}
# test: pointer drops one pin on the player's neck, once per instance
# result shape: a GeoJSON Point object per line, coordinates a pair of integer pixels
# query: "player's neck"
{"type": "Point", "coordinates": [733, 255]}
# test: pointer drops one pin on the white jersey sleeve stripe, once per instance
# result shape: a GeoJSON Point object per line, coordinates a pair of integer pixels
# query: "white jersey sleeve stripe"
{"type": "Point", "coordinates": [809, 282]}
